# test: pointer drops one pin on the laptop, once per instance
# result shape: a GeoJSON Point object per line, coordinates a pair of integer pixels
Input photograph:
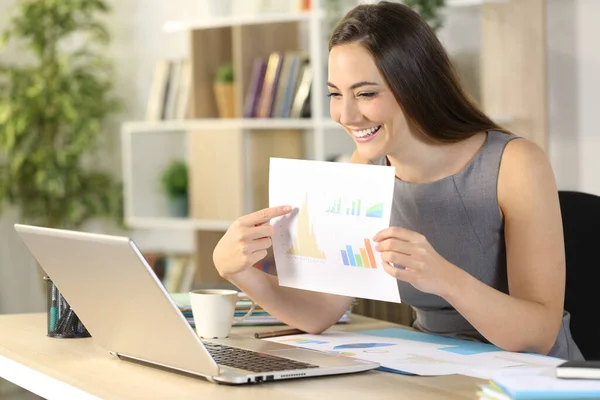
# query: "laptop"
{"type": "Point", "coordinates": [115, 293]}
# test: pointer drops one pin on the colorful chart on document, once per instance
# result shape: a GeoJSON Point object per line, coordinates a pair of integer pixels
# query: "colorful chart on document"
{"type": "Point", "coordinates": [305, 241]}
{"type": "Point", "coordinates": [326, 244]}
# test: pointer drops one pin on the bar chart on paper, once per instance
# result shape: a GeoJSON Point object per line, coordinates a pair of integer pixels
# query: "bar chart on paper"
{"type": "Point", "coordinates": [352, 208]}
{"type": "Point", "coordinates": [324, 244]}
{"type": "Point", "coordinates": [305, 241]}
{"type": "Point", "coordinates": [363, 257]}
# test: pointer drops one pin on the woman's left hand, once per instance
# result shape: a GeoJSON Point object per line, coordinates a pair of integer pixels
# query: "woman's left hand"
{"type": "Point", "coordinates": [424, 268]}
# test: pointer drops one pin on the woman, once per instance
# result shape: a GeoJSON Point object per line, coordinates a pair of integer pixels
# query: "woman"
{"type": "Point", "coordinates": [475, 238]}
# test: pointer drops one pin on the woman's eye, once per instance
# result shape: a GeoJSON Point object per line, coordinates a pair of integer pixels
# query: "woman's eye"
{"type": "Point", "coordinates": [367, 94]}
{"type": "Point", "coordinates": [330, 94]}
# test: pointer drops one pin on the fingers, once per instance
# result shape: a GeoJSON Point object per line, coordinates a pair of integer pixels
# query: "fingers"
{"type": "Point", "coordinates": [400, 233]}
{"type": "Point", "coordinates": [257, 232]}
{"type": "Point", "coordinates": [259, 244]}
{"type": "Point", "coordinates": [405, 275]}
{"type": "Point", "coordinates": [265, 215]}
{"type": "Point", "coordinates": [257, 256]}
{"type": "Point", "coordinates": [404, 260]}
{"type": "Point", "coordinates": [396, 245]}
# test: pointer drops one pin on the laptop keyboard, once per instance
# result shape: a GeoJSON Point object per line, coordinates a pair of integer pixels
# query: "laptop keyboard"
{"type": "Point", "coordinates": [251, 360]}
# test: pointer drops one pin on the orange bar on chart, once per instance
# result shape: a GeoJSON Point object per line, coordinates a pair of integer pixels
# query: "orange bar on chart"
{"type": "Point", "coordinates": [365, 259]}
{"type": "Point", "coordinates": [370, 252]}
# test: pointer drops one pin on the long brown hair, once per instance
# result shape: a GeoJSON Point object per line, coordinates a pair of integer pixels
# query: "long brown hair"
{"type": "Point", "coordinates": [416, 67]}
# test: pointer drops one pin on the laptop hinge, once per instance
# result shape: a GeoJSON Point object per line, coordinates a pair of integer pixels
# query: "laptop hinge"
{"type": "Point", "coordinates": [160, 366]}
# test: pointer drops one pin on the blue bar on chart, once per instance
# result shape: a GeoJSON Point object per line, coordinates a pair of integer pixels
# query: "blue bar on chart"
{"type": "Point", "coordinates": [345, 257]}
{"type": "Point", "coordinates": [364, 258]}
{"type": "Point", "coordinates": [335, 207]}
{"type": "Point", "coordinates": [350, 255]}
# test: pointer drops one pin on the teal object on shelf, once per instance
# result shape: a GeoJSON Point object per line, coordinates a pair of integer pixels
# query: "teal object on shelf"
{"type": "Point", "coordinates": [178, 206]}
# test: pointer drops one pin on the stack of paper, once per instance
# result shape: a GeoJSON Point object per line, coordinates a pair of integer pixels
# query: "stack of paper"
{"type": "Point", "coordinates": [537, 383]}
{"type": "Point", "coordinates": [258, 317]}
{"type": "Point", "coordinates": [407, 351]}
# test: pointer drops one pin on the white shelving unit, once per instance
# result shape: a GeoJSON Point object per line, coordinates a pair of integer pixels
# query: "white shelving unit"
{"type": "Point", "coordinates": [239, 20]}
{"type": "Point", "coordinates": [164, 141]}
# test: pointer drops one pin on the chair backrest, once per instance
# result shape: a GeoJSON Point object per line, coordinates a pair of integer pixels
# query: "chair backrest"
{"type": "Point", "coordinates": [581, 226]}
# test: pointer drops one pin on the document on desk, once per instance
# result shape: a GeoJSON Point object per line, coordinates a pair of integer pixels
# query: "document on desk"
{"type": "Point", "coordinates": [325, 244]}
{"type": "Point", "coordinates": [410, 352]}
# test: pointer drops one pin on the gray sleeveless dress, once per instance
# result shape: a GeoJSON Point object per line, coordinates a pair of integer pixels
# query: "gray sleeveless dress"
{"type": "Point", "coordinates": [459, 216]}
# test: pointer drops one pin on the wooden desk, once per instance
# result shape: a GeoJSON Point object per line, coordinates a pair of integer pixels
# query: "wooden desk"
{"type": "Point", "coordinates": [78, 368]}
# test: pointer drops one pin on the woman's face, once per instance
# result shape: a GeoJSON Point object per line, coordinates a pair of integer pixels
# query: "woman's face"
{"type": "Point", "coordinates": [362, 102]}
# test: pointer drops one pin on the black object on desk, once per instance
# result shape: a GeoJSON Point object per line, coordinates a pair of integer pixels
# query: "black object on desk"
{"type": "Point", "coordinates": [62, 320]}
{"type": "Point", "coordinates": [578, 370]}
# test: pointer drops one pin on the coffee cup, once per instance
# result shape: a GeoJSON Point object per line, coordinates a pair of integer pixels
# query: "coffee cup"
{"type": "Point", "coordinates": [213, 311]}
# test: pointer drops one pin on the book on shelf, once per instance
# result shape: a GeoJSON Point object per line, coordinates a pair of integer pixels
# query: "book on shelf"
{"type": "Point", "coordinates": [251, 100]}
{"type": "Point", "coordinates": [279, 86]}
{"type": "Point", "coordinates": [169, 94]}
{"type": "Point", "coordinates": [175, 271]}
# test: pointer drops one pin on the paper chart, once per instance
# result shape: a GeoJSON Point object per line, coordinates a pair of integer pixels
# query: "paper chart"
{"type": "Point", "coordinates": [325, 243]}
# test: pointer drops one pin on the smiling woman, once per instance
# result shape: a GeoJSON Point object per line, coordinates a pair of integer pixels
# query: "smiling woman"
{"type": "Point", "coordinates": [469, 256]}
{"type": "Point", "coordinates": [473, 259]}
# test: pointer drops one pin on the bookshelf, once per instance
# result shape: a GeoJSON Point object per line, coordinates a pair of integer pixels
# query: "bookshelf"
{"type": "Point", "coordinates": [228, 157]}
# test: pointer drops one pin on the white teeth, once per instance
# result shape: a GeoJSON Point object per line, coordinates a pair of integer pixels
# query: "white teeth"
{"type": "Point", "coordinates": [366, 132]}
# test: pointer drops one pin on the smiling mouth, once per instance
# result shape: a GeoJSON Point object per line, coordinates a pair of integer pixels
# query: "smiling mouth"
{"type": "Point", "coordinates": [365, 133]}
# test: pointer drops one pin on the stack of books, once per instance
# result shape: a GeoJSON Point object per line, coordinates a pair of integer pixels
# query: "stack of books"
{"type": "Point", "coordinates": [537, 383]}
{"type": "Point", "coordinates": [279, 86]}
{"type": "Point", "coordinates": [258, 317]}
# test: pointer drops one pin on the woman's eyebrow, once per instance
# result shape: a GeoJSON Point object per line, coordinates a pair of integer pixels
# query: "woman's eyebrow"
{"type": "Point", "coordinates": [354, 86]}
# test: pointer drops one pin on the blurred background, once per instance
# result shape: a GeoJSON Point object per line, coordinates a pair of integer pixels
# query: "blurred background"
{"type": "Point", "coordinates": [157, 119]}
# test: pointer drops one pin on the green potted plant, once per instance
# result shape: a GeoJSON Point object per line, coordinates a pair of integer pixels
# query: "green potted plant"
{"type": "Point", "coordinates": [174, 180]}
{"type": "Point", "coordinates": [430, 10]}
{"type": "Point", "coordinates": [52, 110]}
{"type": "Point", "coordinates": [225, 91]}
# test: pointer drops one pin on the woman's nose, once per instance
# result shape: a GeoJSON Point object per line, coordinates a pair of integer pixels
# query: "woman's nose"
{"type": "Point", "coordinates": [350, 114]}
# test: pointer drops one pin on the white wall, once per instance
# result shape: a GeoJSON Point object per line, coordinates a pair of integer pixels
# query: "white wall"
{"type": "Point", "coordinates": [574, 87]}
{"type": "Point", "coordinates": [588, 56]}
{"type": "Point", "coordinates": [573, 42]}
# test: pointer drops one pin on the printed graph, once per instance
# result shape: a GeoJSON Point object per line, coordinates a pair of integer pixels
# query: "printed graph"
{"type": "Point", "coordinates": [353, 209]}
{"type": "Point", "coordinates": [305, 242]}
{"type": "Point", "coordinates": [361, 345]}
{"type": "Point", "coordinates": [375, 211]}
{"type": "Point", "coordinates": [364, 257]}
{"type": "Point", "coordinates": [376, 351]}
{"type": "Point", "coordinates": [335, 207]}
{"type": "Point", "coordinates": [301, 340]}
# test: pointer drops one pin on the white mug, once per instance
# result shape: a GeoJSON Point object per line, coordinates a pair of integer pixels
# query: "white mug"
{"type": "Point", "coordinates": [213, 311]}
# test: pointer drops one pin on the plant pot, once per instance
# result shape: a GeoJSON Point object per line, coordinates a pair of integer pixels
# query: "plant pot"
{"type": "Point", "coordinates": [225, 96]}
{"type": "Point", "coordinates": [178, 206]}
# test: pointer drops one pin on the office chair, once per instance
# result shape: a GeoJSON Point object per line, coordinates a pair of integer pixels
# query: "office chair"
{"type": "Point", "coordinates": [581, 225]}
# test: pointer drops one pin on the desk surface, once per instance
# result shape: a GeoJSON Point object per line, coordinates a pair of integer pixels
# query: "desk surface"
{"type": "Point", "coordinates": [78, 368]}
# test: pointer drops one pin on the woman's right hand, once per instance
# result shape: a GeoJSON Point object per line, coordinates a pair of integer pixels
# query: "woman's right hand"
{"type": "Point", "coordinates": [246, 241]}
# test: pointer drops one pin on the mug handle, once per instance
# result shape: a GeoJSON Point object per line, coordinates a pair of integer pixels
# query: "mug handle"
{"type": "Point", "coordinates": [237, 320]}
